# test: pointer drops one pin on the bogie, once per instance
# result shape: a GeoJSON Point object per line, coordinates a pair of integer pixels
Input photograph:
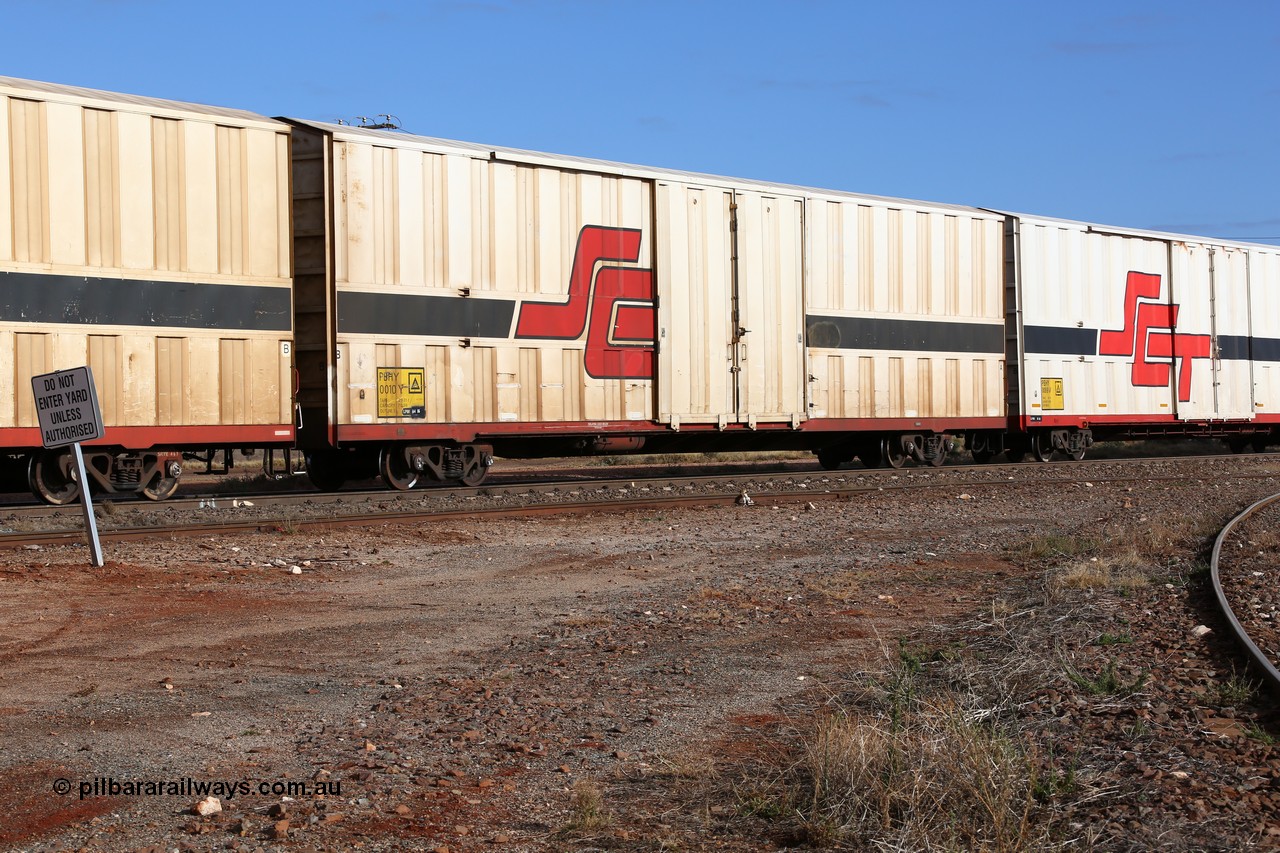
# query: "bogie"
{"type": "Point", "coordinates": [53, 479]}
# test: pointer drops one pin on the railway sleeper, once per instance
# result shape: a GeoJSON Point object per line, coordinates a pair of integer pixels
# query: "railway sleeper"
{"type": "Point", "coordinates": [51, 474]}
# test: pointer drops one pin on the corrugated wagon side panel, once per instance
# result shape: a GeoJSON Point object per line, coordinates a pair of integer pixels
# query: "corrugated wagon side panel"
{"type": "Point", "coordinates": [200, 197]}
{"type": "Point", "coordinates": [32, 355]}
{"type": "Point", "coordinates": [205, 405]}
{"type": "Point", "coordinates": [1264, 287]}
{"type": "Point", "coordinates": [496, 267]}
{"type": "Point", "coordinates": [66, 184]}
{"type": "Point", "coordinates": [769, 283]}
{"type": "Point", "coordinates": [6, 183]}
{"type": "Point", "coordinates": [1233, 325]}
{"type": "Point", "coordinates": [911, 299]}
{"type": "Point", "coordinates": [114, 231]}
{"type": "Point", "coordinates": [1210, 287]}
{"type": "Point", "coordinates": [137, 209]}
{"type": "Point", "coordinates": [695, 276]}
{"type": "Point", "coordinates": [410, 263]}
{"type": "Point", "coordinates": [269, 176]}
{"type": "Point", "coordinates": [29, 180]}
{"type": "Point", "coordinates": [1081, 308]}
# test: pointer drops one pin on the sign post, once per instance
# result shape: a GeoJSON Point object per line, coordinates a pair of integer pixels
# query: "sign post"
{"type": "Point", "coordinates": [67, 408]}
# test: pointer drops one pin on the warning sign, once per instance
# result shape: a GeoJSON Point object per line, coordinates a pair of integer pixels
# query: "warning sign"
{"type": "Point", "coordinates": [402, 392]}
{"type": "Point", "coordinates": [67, 407]}
{"type": "Point", "coordinates": [1051, 397]}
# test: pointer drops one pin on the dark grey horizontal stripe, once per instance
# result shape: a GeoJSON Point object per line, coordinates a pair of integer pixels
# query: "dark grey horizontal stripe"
{"type": "Point", "coordinates": [1053, 340]}
{"type": "Point", "coordinates": [48, 298]}
{"type": "Point", "coordinates": [1266, 349]}
{"type": "Point", "coordinates": [1241, 348]}
{"type": "Point", "coordinates": [1235, 347]}
{"type": "Point", "coordinates": [1060, 340]}
{"type": "Point", "coordinates": [912, 335]}
{"type": "Point", "coordinates": [442, 316]}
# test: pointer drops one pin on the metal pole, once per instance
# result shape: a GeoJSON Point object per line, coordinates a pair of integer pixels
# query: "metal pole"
{"type": "Point", "coordinates": [90, 523]}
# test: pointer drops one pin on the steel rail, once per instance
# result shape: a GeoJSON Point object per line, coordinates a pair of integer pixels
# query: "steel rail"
{"type": "Point", "coordinates": [825, 491]}
{"type": "Point", "coordinates": [1265, 665]}
{"type": "Point", "coordinates": [193, 491]}
{"type": "Point", "coordinates": [961, 476]}
{"type": "Point", "coordinates": [366, 519]}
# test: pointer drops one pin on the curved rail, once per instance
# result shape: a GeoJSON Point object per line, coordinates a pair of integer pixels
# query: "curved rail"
{"type": "Point", "coordinates": [1264, 664]}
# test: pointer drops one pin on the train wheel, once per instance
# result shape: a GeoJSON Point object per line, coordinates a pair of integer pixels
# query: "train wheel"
{"type": "Point", "coordinates": [1075, 455]}
{"type": "Point", "coordinates": [830, 459]}
{"type": "Point", "coordinates": [891, 450]}
{"type": "Point", "coordinates": [1259, 444]}
{"type": "Point", "coordinates": [475, 466]}
{"type": "Point", "coordinates": [982, 457]}
{"type": "Point", "coordinates": [1041, 446]}
{"type": "Point", "coordinates": [325, 471]}
{"type": "Point", "coordinates": [1237, 445]}
{"type": "Point", "coordinates": [52, 478]}
{"type": "Point", "coordinates": [160, 488]}
{"type": "Point", "coordinates": [871, 454]}
{"type": "Point", "coordinates": [396, 471]}
{"type": "Point", "coordinates": [939, 459]}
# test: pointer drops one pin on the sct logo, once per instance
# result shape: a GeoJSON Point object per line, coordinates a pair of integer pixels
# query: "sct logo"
{"type": "Point", "coordinates": [614, 304]}
{"type": "Point", "coordinates": [1148, 334]}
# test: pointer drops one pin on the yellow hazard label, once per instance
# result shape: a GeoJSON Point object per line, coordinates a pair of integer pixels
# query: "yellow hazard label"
{"type": "Point", "coordinates": [1051, 396]}
{"type": "Point", "coordinates": [402, 392]}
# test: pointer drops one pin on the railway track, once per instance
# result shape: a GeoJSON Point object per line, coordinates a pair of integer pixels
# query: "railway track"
{"type": "Point", "coordinates": [1244, 569]}
{"type": "Point", "coordinates": [602, 491]}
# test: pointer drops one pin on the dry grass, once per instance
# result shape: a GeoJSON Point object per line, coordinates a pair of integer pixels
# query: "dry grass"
{"type": "Point", "coordinates": [587, 813]}
{"type": "Point", "coordinates": [1055, 546]}
{"type": "Point", "coordinates": [1106, 573]}
{"type": "Point", "coordinates": [694, 767]}
{"type": "Point", "coordinates": [1121, 559]}
{"type": "Point", "coordinates": [1264, 540]}
{"type": "Point", "coordinates": [925, 775]}
{"type": "Point", "coordinates": [1160, 540]}
{"type": "Point", "coordinates": [846, 585]}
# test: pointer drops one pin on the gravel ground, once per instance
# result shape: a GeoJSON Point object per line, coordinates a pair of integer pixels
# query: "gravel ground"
{"type": "Point", "coordinates": [633, 681]}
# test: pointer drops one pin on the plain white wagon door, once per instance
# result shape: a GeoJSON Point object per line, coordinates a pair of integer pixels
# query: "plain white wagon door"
{"type": "Point", "coordinates": [696, 378]}
{"type": "Point", "coordinates": [768, 308]}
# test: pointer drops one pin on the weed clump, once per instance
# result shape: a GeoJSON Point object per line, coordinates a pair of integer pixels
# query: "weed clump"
{"type": "Point", "coordinates": [918, 770]}
{"type": "Point", "coordinates": [587, 813]}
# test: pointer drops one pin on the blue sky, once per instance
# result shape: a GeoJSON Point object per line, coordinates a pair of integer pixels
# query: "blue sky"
{"type": "Point", "coordinates": [1161, 115]}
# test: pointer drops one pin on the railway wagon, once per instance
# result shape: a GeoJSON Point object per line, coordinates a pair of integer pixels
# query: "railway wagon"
{"type": "Point", "coordinates": [1124, 334]}
{"type": "Point", "coordinates": [150, 240]}
{"type": "Point", "coordinates": [454, 301]}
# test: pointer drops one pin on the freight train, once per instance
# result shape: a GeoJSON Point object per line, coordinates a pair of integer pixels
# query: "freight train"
{"type": "Point", "coordinates": [408, 307]}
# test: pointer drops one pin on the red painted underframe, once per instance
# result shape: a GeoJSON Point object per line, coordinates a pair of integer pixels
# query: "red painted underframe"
{"type": "Point", "coordinates": [146, 438]}
{"type": "Point", "coordinates": [902, 424]}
